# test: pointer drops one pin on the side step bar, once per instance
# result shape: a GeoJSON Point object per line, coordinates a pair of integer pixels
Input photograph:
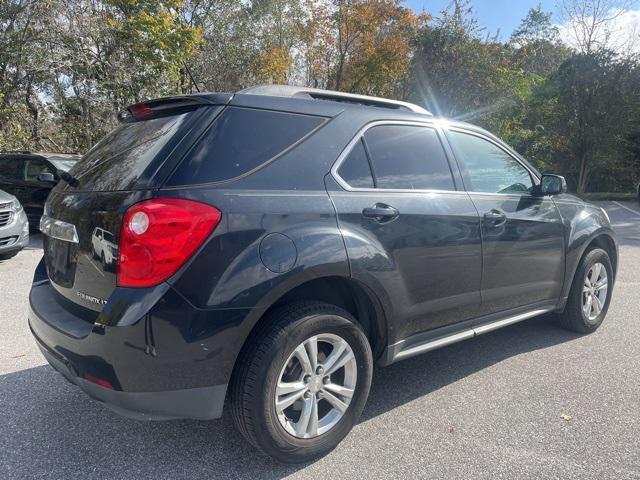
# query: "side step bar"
{"type": "Point", "coordinates": [396, 353]}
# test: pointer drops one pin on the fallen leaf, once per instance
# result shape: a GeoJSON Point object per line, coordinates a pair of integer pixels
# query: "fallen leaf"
{"type": "Point", "coordinates": [565, 417]}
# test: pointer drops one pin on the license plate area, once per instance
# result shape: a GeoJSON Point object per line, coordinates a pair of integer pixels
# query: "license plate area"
{"type": "Point", "coordinates": [61, 258]}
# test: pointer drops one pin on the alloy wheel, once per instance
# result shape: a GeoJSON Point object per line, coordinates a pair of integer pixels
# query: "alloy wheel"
{"type": "Point", "coordinates": [316, 385]}
{"type": "Point", "coordinates": [594, 291]}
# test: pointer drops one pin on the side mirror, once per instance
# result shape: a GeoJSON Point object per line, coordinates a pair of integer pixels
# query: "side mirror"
{"type": "Point", "coordinates": [552, 184]}
{"type": "Point", "coordinates": [47, 177]}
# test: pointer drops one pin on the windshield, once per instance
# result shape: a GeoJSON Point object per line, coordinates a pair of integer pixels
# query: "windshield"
{"type": "Point", "coordinates": [120, 158]}
{"type": "Point", "coordinates": [64, 164]}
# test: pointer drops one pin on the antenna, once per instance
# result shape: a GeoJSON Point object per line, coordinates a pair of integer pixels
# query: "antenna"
{"type": "Point", "coordinates": [193, 81]}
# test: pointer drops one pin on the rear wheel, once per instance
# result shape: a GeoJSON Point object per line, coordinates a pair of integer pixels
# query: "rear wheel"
{"type": "Point", "coordinates": [590, 293]}
{"type": "Point", "coordinates": [302, 382]}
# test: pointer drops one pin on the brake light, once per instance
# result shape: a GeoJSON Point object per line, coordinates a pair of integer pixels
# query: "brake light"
{"type": "Point", "coordinates": [158, 236]}
{"type": "Point", "coordinates": [140, 111]}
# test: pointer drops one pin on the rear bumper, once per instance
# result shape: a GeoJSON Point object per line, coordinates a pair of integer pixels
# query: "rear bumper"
{"type": "Point", "coordinates": [147, 370]}
{"type": "Point", "coordinates": [200, 403]}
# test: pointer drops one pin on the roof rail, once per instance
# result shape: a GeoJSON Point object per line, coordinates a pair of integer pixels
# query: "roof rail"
{"type": "Point", "coordinates": [26, 152]}
{"type": "Point", "coordinates": [317, 93]}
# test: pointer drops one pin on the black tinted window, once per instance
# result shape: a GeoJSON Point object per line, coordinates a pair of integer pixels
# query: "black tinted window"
{"type": "Point", "coordinates": [355, 169]}
{"type": "Point", "coordinates": [33, 168]}
{"type": "Point", "coordinates": [488, 168]}
{"type": "Point", "coordinates": [408, 158]}
{"type": "Point", "coordinates": [11, 169]}
{"type": "Point", "coordinates": [120, 158]}
{"type": "Point", "coordinates": [240, 140]}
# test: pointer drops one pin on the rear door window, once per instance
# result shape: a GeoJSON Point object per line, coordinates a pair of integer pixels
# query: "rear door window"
{"type": "Point", "coordinates": [240, 141]}
{"type": "Point", "coordinates": [408, 158]}
{"type": "Point", "coordinates": [356, 170]}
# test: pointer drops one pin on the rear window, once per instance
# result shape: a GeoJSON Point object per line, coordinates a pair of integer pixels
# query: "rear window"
{"type": "Point", "coordinates": [241, 140]}
{"type": "Point", "coordinates": [120, 158]}
{"type": "Point", "coordinates": [64, 164]}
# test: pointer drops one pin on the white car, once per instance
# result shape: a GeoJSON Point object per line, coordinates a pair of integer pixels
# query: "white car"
{"type": "Point", "coordinates": [104, 247]}
{"type": "Point", "coordinates": [14, 227]}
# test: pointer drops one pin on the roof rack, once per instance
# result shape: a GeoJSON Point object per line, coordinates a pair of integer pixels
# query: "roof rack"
{"type": "Point", "coordinates": [317, 93]}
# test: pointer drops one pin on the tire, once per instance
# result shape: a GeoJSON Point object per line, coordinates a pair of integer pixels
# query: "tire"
{"type": "Point", "coordinates": [574, 317]}
{"type": "Point", "coordinates": [7, 256]}
{"type": "Point", "coordinates": [265, 359]}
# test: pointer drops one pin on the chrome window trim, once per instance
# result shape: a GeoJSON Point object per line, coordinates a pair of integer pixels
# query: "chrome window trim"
{"type": "Point", "coordinates": [347, 151]}
{"type": "Point", "coordinates": [505, 148]}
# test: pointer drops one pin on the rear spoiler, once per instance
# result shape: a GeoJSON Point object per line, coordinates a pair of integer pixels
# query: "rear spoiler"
{"type": "Point", "coordinates": [162, 107]}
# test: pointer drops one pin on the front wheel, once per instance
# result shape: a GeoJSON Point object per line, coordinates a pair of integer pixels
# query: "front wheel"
{"type": "Point", "coordinates": [302, 382]}
{"type": "Point", "coordinates": [590, 293]}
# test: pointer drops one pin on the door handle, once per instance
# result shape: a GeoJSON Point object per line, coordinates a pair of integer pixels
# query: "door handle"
{"type": "Point", "coordinates": [495, 217]}
{"type": "Point", "coordinates": [380, 212]}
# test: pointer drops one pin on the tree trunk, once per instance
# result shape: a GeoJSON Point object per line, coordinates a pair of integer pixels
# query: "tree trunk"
{"type": "Point", "coordinates": [583, 175]}
{"type": "Point", "coordinates": [33, 110]}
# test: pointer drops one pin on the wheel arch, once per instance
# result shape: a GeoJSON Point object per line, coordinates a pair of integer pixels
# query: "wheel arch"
{"type": "Point", "coordinates": [600, 239]}
{"type": "Point", "coordinates": [344, 292]}
{"type": "Point", "coordinates": [606, 243]}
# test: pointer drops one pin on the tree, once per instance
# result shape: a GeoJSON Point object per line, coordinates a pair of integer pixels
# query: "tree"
{"type": "Point", "coordinates": [106, 55]}
{"type": "Point", "coordinates": [537, 44]}
{"type": "Point", "coordinates": [589, 21]}
{"type": "Point", "coordinates": [23, 69]}
{"type": "Point", "coordinates": [277, 25]}
{"type": "Point", "coordinates": [361, 46]}
{"type": "Point", "coordinates": [458, 72]}
{"type": "Point", "coordinates": [582, 113]}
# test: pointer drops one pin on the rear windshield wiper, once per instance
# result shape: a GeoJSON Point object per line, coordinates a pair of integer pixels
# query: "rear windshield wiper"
{"type": "Point", "coordinates": [68, 178]}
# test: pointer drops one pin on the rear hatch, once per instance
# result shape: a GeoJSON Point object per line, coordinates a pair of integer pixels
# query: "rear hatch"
{"type": "Point", "coordinates": [83, 214]}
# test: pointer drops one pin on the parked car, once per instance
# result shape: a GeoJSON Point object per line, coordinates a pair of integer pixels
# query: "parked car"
{"type": "Point", "coordinates": [14, 227]}
{"type": "Point", "coordinates": [20, 175]}
{"type": "Point", "coordinates": [104, 248]}
{"type": "Point", "coordinates": [274, 243]}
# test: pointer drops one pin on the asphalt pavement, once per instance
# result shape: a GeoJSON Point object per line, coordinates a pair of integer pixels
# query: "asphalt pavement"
{"type": "Point", "coordinates": [527, 401]}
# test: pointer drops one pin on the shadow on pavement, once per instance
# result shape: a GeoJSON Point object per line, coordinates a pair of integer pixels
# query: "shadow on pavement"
{"type": "Point", "coordinates": [35, 241]}
{"type": "Point", "coordinates": [50, 429]}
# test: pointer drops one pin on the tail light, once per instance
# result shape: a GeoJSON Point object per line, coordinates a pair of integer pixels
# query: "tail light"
{"type": "Point", "coordinates": [158, 236]}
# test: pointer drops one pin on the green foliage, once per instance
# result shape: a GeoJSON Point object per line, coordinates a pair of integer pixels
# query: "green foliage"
{"type": "Point", "coordinates": [575, 114]}
{"type": "Point", "coordinates": [582, 115]}
{"type": "Point", "coordinates": [68, 66]}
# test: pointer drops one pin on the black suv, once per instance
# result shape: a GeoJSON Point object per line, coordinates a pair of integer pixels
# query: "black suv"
{"type": "Point", "coordinates": [21, 175]}
{"type": "Point", "coordinates": [271, 245]}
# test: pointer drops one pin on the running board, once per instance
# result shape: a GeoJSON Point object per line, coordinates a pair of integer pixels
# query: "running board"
{"type": "Point", "coordinates": [433, 344]}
